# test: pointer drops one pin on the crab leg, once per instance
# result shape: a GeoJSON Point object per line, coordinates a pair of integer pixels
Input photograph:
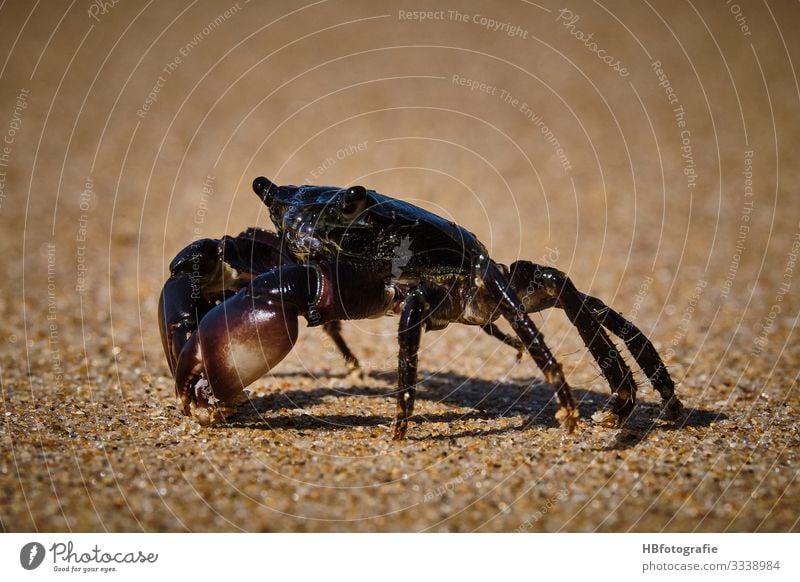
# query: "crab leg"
{"type": "Point", "coordinates": [415, 309]}
{"type": "Point", "coordinates": [497, 333]}
{"type": "Point", "coordinates": [642, 350]}
{"type": "Point", "coordinates": [513, 310]}
{"type": "Point", "coordinates": [334, 331]}
{"type": "Point", "coordinates": [557, 288]}
{"type": "Point", "coordinates": [546, 286]}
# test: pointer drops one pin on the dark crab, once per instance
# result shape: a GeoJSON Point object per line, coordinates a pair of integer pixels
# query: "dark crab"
{"type": "Point", "coordinates": [228, 312]}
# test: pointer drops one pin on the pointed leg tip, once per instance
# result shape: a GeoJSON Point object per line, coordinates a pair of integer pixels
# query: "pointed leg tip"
{"type": "Point", "coordinates": [400, 430]}
{"type": "Point", "coordinates": [616, 412]}
{"type": "Point", "coordinates": [356, 373]}
{"type": "Point", "coordinates": [606, 418]}
{"type": "Point", "coordinates": [672, 408]}
{"type": "Point", "coordinates": [568, 418]}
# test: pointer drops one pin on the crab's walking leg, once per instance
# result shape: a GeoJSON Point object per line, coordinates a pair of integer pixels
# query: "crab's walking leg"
{"type": "Point", "coordinates": [514, 311]}
{"type": "Point", "coordinates": [497, 333]}
{"type": "Point", "coordinates": [334, 331]}
{"type": "Point", "coordinates": [548, 287]}
{"type": "Point", "coordinates": [642, 350]}
{"type": "Point", "coordinates": [555, 287]}
{"type": "Point", "coordinates": [415, 309]}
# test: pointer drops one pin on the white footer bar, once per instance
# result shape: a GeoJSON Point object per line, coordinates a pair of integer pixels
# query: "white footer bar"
{"type": "Point", "coordinates": [400, 557]}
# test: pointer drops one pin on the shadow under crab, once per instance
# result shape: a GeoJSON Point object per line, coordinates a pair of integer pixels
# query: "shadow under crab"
{"type": "Point", "coordinates": [530, 403]}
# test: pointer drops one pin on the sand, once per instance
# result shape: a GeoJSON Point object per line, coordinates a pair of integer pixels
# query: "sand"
{"type": "Point", "coordinates": [670, 192]}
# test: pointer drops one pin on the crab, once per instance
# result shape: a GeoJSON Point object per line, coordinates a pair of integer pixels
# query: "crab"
{"type": "Point", "coordinates": [229, 311]}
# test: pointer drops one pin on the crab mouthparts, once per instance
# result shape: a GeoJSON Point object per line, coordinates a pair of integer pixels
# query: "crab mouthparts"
{"type": "Point", "coordinates": [304, 242]}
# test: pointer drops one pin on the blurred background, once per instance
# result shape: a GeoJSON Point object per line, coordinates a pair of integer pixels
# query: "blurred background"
{"type": "Point", "coordinates": [647, 149]}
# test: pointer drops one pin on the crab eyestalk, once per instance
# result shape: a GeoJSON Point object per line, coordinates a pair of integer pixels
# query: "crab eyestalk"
{"type": "Point", "coordinates": [236, 343]}
{"type": "Point", "coordinates": [265, 189]}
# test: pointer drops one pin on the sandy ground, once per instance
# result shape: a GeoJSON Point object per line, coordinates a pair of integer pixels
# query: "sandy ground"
{"type": "Point", "coordinates": [663, 179]}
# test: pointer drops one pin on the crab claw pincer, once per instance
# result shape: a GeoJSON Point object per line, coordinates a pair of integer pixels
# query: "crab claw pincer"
{"type": "Point", "coordinates": [236, 343]}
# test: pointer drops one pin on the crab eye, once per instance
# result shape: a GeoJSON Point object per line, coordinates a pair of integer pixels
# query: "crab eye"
{"type": "Point", "coordinates": [353, 201]}
{"type": "Point", "coordinates": [265, 189]}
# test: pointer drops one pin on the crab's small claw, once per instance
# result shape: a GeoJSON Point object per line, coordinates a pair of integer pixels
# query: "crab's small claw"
{"type": "Point", "coordinates": [236, 343]}
{"type": "Point", "coordinates": [182, 303]}
{"type": "Point", "coordinates": [176, 317]}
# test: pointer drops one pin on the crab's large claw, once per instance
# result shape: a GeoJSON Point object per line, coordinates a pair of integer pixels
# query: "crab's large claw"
{"type": "Point", "coordinates": [236, 343]}
{"type": "Point", "coordinates": [245, 336]}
